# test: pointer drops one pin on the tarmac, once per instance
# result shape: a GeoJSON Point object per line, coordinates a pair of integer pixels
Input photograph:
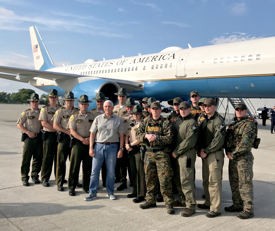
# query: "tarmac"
{"type": "Point", "coordinates": [39, 208]}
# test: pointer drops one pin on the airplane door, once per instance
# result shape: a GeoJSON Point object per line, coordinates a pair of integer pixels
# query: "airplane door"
{"type": "Point", "coordinates": [181, 72]}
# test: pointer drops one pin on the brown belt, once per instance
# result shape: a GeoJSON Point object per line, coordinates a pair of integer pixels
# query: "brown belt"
{"type": "Point", "coordinates": [108, 143]}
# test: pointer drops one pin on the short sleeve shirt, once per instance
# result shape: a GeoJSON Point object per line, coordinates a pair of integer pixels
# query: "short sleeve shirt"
{"type": "Point", "coordinates": [132, 132]}
{"type": "Point", "coordinates": [46, 114]}
{"type": "Point", "coordinates": [107, 129]}
{"type": "Point", "coordinates": [62, 116]}
{"type": "Point", "coordinates": [30, 119]}
{"type": "Point", "coordinates": [127, 120]}
{"type": "Point", "coordinates": [81, 123]}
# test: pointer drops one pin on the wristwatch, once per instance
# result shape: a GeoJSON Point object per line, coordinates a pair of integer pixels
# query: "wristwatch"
{"type": "Point", "coordinates": [121, 148]}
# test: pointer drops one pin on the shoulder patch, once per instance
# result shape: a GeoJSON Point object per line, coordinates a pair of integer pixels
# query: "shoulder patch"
{"type": "Point", "coordinates": [22, 114]}
{"type": "Point", "coordinates": [71, 118]}
{"type": "Point", "coordinates": [42, 110]}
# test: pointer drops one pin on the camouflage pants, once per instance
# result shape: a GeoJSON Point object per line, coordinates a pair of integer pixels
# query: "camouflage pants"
{"type": "Point", "coordinates": [240, 177]}
{"type": "Point", "coordinates": [158, 169]}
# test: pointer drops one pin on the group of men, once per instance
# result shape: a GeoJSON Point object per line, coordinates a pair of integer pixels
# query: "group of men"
{"type": "Point", "coordinates": [159, 153]}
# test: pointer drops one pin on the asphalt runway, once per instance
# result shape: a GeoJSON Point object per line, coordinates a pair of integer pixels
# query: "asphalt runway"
{"type": "Point", "coordinates": [39, 208]}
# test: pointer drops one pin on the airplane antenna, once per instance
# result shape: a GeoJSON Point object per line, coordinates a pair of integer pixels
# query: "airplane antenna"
{"type": "Point", "coordinates": [189, 46]}
{"type": "Point", "coordinates": [103, 59]}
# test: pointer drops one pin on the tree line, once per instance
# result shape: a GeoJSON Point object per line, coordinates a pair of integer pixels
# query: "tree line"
{"type": "Point", "coordinates": [22, 96]}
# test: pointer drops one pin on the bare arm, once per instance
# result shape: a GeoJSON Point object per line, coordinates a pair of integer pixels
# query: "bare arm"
{"type": "Point", "coordinates": [57, 127]}
{"type": "Point", "coordinates": [47, 125]}
{"type": "Point", "coordinates": [25, 130]}
{"type": "Point", "coordinates": [121, 145]}
{"type": "Point", "coordinates": [92, 140]}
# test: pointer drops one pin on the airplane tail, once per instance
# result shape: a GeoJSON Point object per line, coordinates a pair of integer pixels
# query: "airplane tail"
{"type": "Point", "coordinates": [41, 56]}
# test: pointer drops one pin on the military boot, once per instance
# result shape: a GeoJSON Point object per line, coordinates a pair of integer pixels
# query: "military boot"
{"type": "Point", "coordinates": [245, 215]}
{"type": "Point", "coordinates": [148, 205]}
{"type": "Point", "coordinates": [170, 208]}
{"type": "Point", "coordinates": [179, 202]}
{"type": "Point", "coordinates": [232, 208]}
{"type": "Point", "coordinates": [159, 198]}
{"type": "Point", "coordinates": [187, 212]}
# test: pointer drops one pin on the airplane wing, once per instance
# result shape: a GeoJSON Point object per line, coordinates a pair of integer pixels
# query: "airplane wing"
{"type": "Point", "coordinates": [26, 75]}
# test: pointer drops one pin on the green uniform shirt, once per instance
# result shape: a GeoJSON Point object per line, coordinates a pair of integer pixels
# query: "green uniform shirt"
{"type": "Point", "coordinates": [186, 134]}
{"type": "Point", "coordinates": [240, 137]}
{"type": "Point", "coordinates": [211, 134]}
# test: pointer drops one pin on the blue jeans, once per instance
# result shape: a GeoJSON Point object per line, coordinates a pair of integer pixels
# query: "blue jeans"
{"type": "Point", "coordinates": [109, 154]}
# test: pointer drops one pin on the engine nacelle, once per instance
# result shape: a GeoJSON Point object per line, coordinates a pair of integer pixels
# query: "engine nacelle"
{"type": "Point", "coordinates": [91, 87]}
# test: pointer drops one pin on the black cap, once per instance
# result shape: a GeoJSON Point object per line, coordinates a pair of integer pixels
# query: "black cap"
{"type": "Point", "coordinates": [241, 106]}
{"type": "Point", "coordinates": [121, 92]}
{"type": "Point", "coordinates": [100, 97]}
{"type": "Point", "coordinates": [185, 105]}
{"type": "Point", "coordinates": [84, 99]}
{"type": "Point", "coordinates": [130, 102]}
{"type": "Point", "coordinates": [69, 96]}
{"type": "Point", "coordinates": [34, 97]}
{"type": "Point", "coordinates": [53, 93]}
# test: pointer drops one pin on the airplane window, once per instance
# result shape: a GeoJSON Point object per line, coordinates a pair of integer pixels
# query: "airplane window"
{"type": "Point", "coordinates": [170, 65]}
{"type": "Point", "coordinates": [157, 66]}
{"type": "Point", "coordinates": [125, 69]}
{"type": "Point", "coordinates": [117, 69]}
{"type": "Point", "coordinates": [136, 68]}
{"type": "Point", "coordinates": [109, 71]}
{"type": "Point", "coordinates": [250, 57]}
{"type": "Point", "coordinates": [129, 68]}
{"type": "Point", "coordinates": [144, 67]}
{"type": "Point", "coordinates": [242, 58]}
{"type": "Point", "coordinates": [121, 69]}
{"type": "Point", "coordinates": [99, 71]}
{"type": "Point", "coordinates": [258, 57]}
{"type": "Point", "coordinates": [165, 65]}
{"type": "Point", "coordinates": [133, 68]}
{"type": "Point", "coordinates": [160, 66]}
{"type": "Point", "coordinates": [221, 60]}
{"type": "Point", "coordinates": [235, 58]}
{"type": "Point", "coordinates": [228, 59]}
{"type": "Point", "coordinates": [215, 60]}
{"type": "Point", "coordinates": [114, 70]}
{"type": "Point", "coordinates": [152, 66]}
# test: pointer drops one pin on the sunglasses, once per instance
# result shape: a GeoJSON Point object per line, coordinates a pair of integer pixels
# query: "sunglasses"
{"type": "Point", "coordinates": [193, 96]}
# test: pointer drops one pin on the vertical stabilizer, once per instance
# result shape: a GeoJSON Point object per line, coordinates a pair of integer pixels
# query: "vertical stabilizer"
{"type": "Point", "coordinates": [41, 57]}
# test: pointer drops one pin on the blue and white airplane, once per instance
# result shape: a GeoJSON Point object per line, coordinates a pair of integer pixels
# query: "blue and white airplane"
{"type": "Point", "coordinates": [243, 69]}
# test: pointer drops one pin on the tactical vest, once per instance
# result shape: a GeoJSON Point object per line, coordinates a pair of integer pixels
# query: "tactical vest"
{"type": "Point", "coordinates": [156, 129]}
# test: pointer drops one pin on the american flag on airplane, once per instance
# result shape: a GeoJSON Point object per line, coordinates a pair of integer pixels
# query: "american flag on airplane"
{"type": "Point", "coordinates": [35, 48]}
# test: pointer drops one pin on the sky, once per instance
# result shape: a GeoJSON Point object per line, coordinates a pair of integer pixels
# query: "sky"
{"type": "Point", "coordinates": [77, 30]}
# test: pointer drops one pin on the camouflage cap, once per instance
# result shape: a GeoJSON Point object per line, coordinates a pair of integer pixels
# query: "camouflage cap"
{"type": "Point", "coordinates": [155, 104]}
{"type": "Point", "coordinates": [194, 93]}
{"type": "Point", "coordinates": [34, 97]}
{"type": "Point", "coordinates": [150, 101]}
{"type": "Point", "coordinates": [53, 93]}
{"type": "Point", "coordinates": [201, 101]}
{"type": "Point", "coordinates": [241, 106]}
{"type": "Point", "coordinates": [137, 109]}
{"type": "Point", "coordinates": [84, 99]}
{"type": "Point", "coordinates": [177, 100]}
{"type": "Point", "coordinates": [100, 96]}
{"type": "Point", "coordinates": [145, 99]}
{"type": "Point", "coordinates": [121, 92]}
{"type": "Point", "coordinates": [185, 105]}
{"type": "Point", "coordinates": [69, 96]}
{"type": "Point", "coordinates": [130, 102]}
{"type": "Point", "coordinates": [209, 102]}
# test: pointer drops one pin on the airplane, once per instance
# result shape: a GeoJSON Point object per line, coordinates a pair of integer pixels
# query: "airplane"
{"type": "Point", "coordinates": [241, 69]}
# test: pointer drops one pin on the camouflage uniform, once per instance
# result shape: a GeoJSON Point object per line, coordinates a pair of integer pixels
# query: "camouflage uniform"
{"type": "Point", "coordinates": [240, 137]}
{"type": "Point", "coordinates": [157, 164]}
{"type": "Point", "coordinates": [211, 139]}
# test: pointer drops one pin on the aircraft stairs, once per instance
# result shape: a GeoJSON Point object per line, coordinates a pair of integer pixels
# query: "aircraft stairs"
{"type": "Point", "coordinates": [247, 102]}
